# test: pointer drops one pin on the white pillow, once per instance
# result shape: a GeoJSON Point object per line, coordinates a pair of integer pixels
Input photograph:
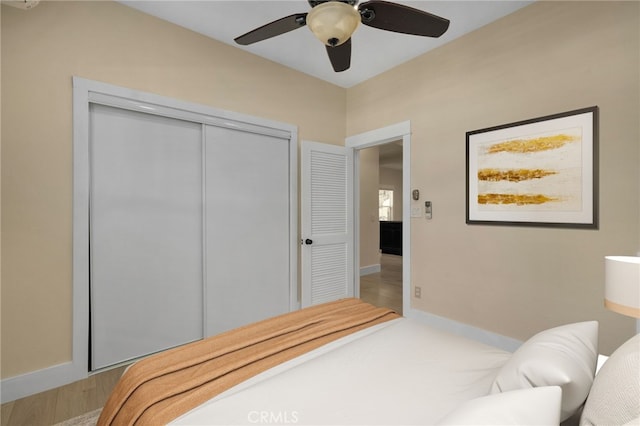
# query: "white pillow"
{"type": "Point", "coordinates": [563, 356]}
{"type": "Point", "coordinates": [532, 406]}
{"type": "Point", "coordinates": [615, 394]}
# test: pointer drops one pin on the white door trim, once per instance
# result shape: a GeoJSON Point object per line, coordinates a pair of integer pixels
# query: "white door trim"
{"type": "Point", "coordinates": [368, 139]}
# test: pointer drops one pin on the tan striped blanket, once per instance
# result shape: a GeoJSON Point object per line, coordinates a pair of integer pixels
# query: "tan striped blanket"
{"type": "Point", "coordinates": [164, 386]}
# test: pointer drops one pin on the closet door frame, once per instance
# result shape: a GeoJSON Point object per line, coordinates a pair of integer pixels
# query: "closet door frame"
{"type": "Point", "coordinates": [86, 92]}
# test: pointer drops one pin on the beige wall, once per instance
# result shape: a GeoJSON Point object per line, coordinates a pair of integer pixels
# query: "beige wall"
{"type": "Point", "coordinates": [546, 58]}
{"type": "Point", "coordinates": [392, 179]}
{"type": "Point", "coordinates": [369, 223]}
{"type": "Point", "coordinates": [41, 50]}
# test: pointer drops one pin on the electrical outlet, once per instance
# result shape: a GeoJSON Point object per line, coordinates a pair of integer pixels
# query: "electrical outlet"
{"type": "Point", "coordinates": [417, 292]}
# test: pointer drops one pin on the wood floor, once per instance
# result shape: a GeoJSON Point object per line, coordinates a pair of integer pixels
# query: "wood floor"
{"type": "Point", "coordinates": [55, 405]}
{"type": "Point", "coordinates": [48, 408]}
{"type": "Point", "coordinates": [384, 288]}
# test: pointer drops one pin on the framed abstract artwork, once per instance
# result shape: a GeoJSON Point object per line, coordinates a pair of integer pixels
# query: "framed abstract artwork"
{"type": "Point", "coordinates": [537, 172]}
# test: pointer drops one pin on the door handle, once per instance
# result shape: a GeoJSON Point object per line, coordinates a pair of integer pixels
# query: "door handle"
{"type": "Point", "coordinates": [308, 241]}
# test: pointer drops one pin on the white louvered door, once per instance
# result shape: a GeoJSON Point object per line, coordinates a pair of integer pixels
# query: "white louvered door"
{"type": "Point", "coordinates": [327, 223]}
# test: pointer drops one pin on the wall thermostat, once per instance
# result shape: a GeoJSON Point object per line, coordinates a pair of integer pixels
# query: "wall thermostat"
{"type": "Point", "coordinates": [428, 212]}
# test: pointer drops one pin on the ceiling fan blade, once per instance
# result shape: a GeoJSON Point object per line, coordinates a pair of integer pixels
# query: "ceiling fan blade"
{"type": "Point", "coordinates": [272, 29]}
{"type": "Point", "coordinates": [399, 18]}
{"type": "Point", "coordinates": [340, 56]}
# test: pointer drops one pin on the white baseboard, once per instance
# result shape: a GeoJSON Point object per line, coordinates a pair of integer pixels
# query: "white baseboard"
{"type": "Point", "coordinates": [466, 330]}
{"type": "Point", "coordinates": [371, 269]}
{"type": "Point", "coordinates": [17, 387]}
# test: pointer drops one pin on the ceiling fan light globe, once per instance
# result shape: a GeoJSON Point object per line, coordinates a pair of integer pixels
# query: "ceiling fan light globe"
{"type": "Point", "coordinates": [333, 20]}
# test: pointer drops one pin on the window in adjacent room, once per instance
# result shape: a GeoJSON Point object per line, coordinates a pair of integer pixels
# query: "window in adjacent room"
{"type": "Point", "coordinates": [385, 204]}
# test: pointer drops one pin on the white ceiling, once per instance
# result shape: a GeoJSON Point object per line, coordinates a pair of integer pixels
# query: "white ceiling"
{"type": "Point", "coordinates": [373, 51]}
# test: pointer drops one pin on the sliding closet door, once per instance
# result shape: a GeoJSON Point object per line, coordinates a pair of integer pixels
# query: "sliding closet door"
{"type": "Point", "coordinates": [247, 236]}
{"type": "Point", "coordinates": [146, 227]}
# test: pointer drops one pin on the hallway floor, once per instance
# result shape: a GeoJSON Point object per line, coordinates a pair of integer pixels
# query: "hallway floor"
{"type": "Point", "coordinates": [384, 288]}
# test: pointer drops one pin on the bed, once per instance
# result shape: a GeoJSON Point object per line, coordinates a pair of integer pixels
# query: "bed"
{"type": "Point", "coordinates": [348, 363]}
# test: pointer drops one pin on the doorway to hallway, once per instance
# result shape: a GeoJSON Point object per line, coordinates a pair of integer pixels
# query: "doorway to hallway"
{"type": "Point", "coordinates": [398, 134]}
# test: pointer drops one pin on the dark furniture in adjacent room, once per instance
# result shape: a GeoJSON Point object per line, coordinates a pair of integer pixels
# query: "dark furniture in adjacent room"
{"type": "Point", "coordinates": [391, 237]}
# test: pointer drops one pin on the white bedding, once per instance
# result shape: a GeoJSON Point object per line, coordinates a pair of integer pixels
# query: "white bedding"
{"type": "Point", "coordinates": [397, 373]}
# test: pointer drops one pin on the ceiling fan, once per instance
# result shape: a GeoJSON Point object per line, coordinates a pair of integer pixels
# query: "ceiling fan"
{"type": "Point", "coordinates": [334, 21]}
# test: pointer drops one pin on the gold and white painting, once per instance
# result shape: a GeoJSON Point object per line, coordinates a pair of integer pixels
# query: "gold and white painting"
{"type": "Point", "coordinates": [535, 172]}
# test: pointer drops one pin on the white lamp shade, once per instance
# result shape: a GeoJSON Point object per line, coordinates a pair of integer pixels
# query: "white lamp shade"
{"type": "Point", "coordinates": [333, 22]}
{"type": "Point", "coordinates": [622, 285]}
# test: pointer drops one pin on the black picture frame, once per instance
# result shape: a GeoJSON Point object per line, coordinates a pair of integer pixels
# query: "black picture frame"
{"type": "Point", "coordinates": [537, 172]}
